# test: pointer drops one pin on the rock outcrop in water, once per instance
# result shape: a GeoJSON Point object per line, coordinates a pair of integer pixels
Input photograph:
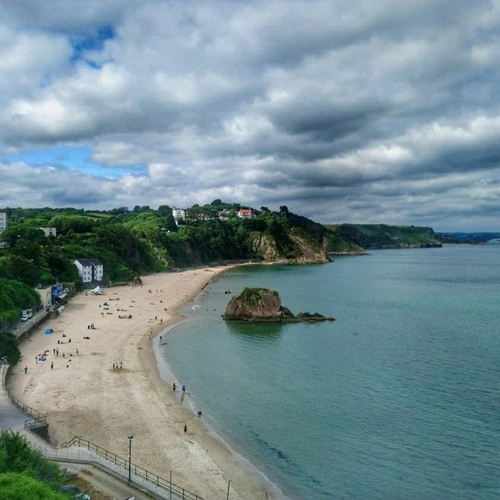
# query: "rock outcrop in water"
{"type": "Point", "coordinates": [264, 305]}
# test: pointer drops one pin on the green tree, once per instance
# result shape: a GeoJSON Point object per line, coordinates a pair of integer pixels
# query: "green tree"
{"type": "Point", "coordinates": [9, 350]}
{"type": "Point", "coordinates": [15, 296]}
{"type": "Point", "coordinates": [21, 269]}
{"type": "Point", "coordinates": [16, 455]}
{"type": "Point", "coordinates": [19, 486]}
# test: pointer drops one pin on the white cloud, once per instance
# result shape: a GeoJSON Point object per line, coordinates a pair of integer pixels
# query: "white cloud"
{"type": "Point", "coordinates": [341, 110]}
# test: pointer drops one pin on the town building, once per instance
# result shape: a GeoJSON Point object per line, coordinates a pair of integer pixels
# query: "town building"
{"type": "Point", "coordinates": [178, 214]}
{"type": "Point", "coordinates": [49, 231]}
{"type": "Point", "coordinates": [245, 213]}
{"type": "Point", "coordinates": [3, 225]}
{"type": "Point", "coordinates": [3, 221]}
{"type": "Point", "coordinates": [90, 270]}
{"type": "Point", "coordinates": [45, 296]}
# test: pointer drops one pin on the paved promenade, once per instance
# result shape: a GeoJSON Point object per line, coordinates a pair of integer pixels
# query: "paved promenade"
{"type": "Point", "coordinates": [11, 417]}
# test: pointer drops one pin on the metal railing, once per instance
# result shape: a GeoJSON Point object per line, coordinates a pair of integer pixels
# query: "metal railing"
{"type": "Point", "coordinates": [40, 417]}
{"type": "Point", "coordinates": [138, 473]}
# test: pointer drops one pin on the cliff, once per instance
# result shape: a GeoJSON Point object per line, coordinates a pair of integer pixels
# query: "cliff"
{"type": "Point", "coordinates": [264, 305]}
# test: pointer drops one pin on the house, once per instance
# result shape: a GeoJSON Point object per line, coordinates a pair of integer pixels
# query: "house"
{"type": "Point", "coordinates": [3, 221]}
{"type": "Point", "coordinates": [49, 231]}
{"type": "Point", "coordinates": [245, 213]}
{"type": "Point", "coordinates": [3, 225]}
{"type": "Point", "coordinates": [89, 269]}
{"type": "Point", "coordinates": [45, 296]}
{"type": "Point", "coordinates": [204, 216]}
{"type": "Point", "coordinates": [178, 214]}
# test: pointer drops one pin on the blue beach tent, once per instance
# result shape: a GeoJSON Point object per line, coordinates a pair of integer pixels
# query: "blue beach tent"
{"type": "Point", "coordinates": [49, 331]}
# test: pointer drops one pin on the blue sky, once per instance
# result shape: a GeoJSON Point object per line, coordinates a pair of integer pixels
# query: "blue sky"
{"type": "Point", "coordinates": [374, 111]}
{"type": "Point", "coordinates": [76, 158]}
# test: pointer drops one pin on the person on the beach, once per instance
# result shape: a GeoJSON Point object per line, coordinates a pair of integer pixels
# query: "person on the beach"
{"type": "Point", "coordinates": [183, 388]}
{"type": "Point", "coordinates": [173, 386]}
{"type": "Point", "coordinates": [185, 428]}
{"type": "Point", "coordinates": [25, 369]}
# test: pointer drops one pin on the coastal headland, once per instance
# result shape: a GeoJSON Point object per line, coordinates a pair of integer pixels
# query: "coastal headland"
{"type": "Point", "coordinates": [95, 376]}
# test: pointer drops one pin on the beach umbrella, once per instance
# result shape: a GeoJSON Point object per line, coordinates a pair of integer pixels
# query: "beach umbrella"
{"type": "Point", "coordinates": [49, 331]}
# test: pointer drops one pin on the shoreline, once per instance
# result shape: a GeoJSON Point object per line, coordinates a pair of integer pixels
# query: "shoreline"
{"type": "Point", "coordinates": [105, 383]}
{"type": "Point", "coordinates": [168, 376]}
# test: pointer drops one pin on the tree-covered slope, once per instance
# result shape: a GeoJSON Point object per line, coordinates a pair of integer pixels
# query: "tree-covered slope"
{"type": "Point", "coordinates": [383, 236]}
{"type": "Point", "coordinates": [144, 240]}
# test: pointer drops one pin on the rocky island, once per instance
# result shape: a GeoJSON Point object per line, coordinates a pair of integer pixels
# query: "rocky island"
{"type": "Point", "coordinates": [264, 305]}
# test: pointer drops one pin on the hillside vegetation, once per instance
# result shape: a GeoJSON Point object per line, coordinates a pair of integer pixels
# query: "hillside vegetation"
{"type": "Point", "coordinates": [143, 240]}
{"type": "Point", "coordinates": [370, 236]}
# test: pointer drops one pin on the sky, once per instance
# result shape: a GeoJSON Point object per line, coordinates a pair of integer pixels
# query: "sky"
{"type": "Point", "coordinates": [373, 111]}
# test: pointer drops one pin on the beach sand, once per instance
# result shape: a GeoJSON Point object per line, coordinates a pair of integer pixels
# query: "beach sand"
{"type": "Point", "coordinates": [83, 395]}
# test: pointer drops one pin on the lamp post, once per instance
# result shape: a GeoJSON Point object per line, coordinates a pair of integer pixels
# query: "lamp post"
{"type": "Point", "coordinates": [130, 437]}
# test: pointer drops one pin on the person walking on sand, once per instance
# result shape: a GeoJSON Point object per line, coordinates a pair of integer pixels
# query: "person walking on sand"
{"type": "Point", "coordinates": [185, 428]}
{"type": "Point", "coordinates": [25, 369]}
{"type": "Point", "coordinates": [174, 386]}
{"type": "Point", "coordinates": [52, 365]}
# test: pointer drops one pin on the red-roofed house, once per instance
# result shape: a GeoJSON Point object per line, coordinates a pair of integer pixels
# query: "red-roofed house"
{"type": "Point", "coordinates": [245, 213]}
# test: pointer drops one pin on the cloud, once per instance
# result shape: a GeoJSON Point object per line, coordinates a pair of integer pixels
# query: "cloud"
{"type": "Point", "coordinates": [380, 111]}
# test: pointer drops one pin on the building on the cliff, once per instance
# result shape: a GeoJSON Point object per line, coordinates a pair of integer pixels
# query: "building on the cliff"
{"type": "Point", "coordinates": [89, 269]}
{"type": "Point", "coordinates": [49, 231]}
{"type": "Point", "coordinates": [3, 225]}
{"type": "Point", "coordinates": [245, 213]}
{"type": "Point", "coordinates": [178, 214]}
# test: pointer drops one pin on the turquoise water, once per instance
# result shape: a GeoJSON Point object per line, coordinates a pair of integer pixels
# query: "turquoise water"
{"type": "Point", "coordinates": [398, 398]}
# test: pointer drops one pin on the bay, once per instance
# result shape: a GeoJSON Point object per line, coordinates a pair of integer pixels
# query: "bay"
{"type": "Point", "coordinates": [398, 398]}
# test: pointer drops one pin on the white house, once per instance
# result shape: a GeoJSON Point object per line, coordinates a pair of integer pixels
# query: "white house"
{"type": "Point", "coordinates": [178, 214]}
{"type": "Point", "coordinates": [49, 231]}
{"type": "Point", "coordinates": [3, 225]}
{"type": "Point", "coordinates": [89, 269]}
{"type": "Point", "coordinates": [3, 221]}
{"type": "Point", "coordinates": [45, 296]}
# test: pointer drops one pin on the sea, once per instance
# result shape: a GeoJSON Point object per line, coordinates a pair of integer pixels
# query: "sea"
{"type": "Point", "coordinates": [399, 398]}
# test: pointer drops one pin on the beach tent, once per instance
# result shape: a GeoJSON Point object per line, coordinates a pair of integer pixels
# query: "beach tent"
{"type": "Point", "coordinates": [97, 291]}
{"type": "Point", "coordinates": [49, 331]}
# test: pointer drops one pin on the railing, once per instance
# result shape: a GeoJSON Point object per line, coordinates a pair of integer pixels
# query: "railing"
{"type": "Point", "coordinates": [30, 423]}
{"type": "Point", "coordinates": [26, 409]}
{"type": "Point", "coordinates": [38, 419]}
{"type": "Point", "coordinates": [138, 472]}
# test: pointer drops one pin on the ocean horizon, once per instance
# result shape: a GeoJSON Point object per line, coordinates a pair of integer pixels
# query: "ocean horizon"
{"type": "Point", "coordinates": [398, 398]}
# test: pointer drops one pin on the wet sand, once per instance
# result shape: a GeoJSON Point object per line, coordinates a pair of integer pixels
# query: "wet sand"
{"type": "Point", "coordinates": [107, 386]}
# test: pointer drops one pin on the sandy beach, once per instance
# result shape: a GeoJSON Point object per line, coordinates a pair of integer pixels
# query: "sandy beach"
{"type": "Point", "coordinates": [103, 384]}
